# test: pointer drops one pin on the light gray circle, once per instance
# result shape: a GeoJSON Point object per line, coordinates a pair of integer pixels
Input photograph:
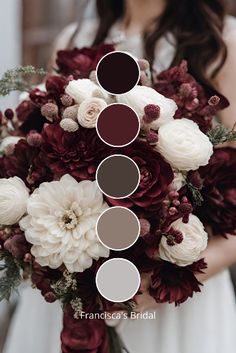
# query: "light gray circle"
{"type": "Point", "coordinates": [118, 280]}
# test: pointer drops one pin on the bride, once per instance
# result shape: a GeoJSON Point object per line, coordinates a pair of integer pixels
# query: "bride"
{"type": "Point", "coordinates": [164, 32]}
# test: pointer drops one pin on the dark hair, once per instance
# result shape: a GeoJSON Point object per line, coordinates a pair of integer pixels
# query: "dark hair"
{"type": "Point", "coordinates": [197, 26]}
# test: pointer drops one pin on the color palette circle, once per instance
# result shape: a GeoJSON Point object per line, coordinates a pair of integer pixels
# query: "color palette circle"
{"type": "Point", "coordinates": [118, 72]}
{"type": "Point", "coordinates": [118, 176]}
{"type": "Point", "coordinates": [118, 228]}
{"type": "Point", "coordinates": [118, 125]}
{"type": "Point", "coordinates": [118, 280]}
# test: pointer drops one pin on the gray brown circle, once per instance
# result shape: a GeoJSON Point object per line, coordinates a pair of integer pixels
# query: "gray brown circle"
{"type": "Point", "coordinates": [118, 280]}
{"type": "Point", "coordinates": [118, 228]}
{"type": "Point", "coordinates": [118, 72]}
{"type": "Point", "coordinates": [118, 176]}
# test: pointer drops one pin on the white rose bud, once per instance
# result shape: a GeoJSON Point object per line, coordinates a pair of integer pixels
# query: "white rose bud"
{"type": "Point", "coordinates": [13, 200]}
{"type": "Point", "coordinates": [189, 250]}
{"type": "Point", "coordinates": [183, 145]}
{"type": "Point", "coordinates": [141, 96]}
{"type": "Point", "coordinates": [89, 111]}
{"type": "Point", "coordinates": [179, 181]}
{"type": "Point", "coordinates": [80, 89]}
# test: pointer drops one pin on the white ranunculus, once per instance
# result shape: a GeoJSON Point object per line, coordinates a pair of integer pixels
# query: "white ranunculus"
{"type": "Point", "coordinates": [81, 89]}
{"type": "Point", "coordinates": [184, 145]}
{"type": "Point", "coordinates": [84, 88]}
{"type": "Point", "coordinates": [13, 200]}
{"type": "Point", "coordinates": [194, 242]}
{"type": "Point", "coordinates": [8, 141]}
{"type": "Point", "coordinates": [89, 111]}
{"type": "Point", "coordinates": [61, 223]}
{"type": "Point", "coordinates": [140, 96]}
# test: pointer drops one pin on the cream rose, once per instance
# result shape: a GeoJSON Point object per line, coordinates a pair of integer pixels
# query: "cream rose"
{"type": "Point", "coordinates": [141, 96]}
{"type": "Point", "coordinates": [89, 111]}
{"type": "Point", "coordinates": [183, 145]}
{"type": "Point", "coordinates": [13, 200]}
{"type": "Point", "coordinates": [189, 250]}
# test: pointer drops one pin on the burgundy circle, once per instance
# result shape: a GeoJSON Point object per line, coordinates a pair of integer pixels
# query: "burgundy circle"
{"type": "Point", "coordinates": [118, 72]}
{"type": "Point", "coordinates": [118, 125]}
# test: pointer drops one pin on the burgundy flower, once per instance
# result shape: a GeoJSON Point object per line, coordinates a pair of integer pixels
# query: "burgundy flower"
{"type": "Point", "coordinates": [26, 164]}
{"type": "Point", "coordinates": [174, 284]}
{"type": "Point", "coordinates": [42, 278]}
{"type": "Point", "coordinates": [83, 335]}
{"type": "Point", "coordinates": [80, 62]}
{"type": "Point", "coordinates": [17, 245]}
{"type": "Point", "coordinates": [219, 192]}
{"type": "Point", "coordinates": [30, 117]}
{"type": "Point", "coordinates": [76, 153]}
{"type": "Point", "coordinates": [193, 100]}
{"type": "Point", "coordinates": [156, 176]}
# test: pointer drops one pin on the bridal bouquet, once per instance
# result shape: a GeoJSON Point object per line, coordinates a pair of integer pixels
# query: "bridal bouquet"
{"type": "Point", "coordinates": [50, 201]}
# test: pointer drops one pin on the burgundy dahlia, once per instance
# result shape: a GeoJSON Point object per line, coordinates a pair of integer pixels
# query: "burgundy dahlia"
{"type": "Point", "coordinates": [77, 153]}
{"type": "Point", "coordinates": [80, 62]}
{"type": "Point", "coordinates": [156, 176]}
{"type": "Point", "coordinates": [219, 192]}
{"type": "Point", "coordinates": [174, 284]}
{"type": "Point", "coordinates": [26, 164]}
{"type": "Point", "coordinates": [83, 335]}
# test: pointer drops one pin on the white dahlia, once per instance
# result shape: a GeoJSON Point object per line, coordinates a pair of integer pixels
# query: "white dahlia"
{"type": "Point", "coordinates": [61, 224]}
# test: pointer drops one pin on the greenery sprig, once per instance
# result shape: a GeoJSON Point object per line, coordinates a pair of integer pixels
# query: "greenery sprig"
{"type": "Point", "coordinates": [10, 275]}
{"type": "Point", "coordinates": [196, 194]}
{"type": "Point", "coordinates": [18, 79]}
{"type": "Point", "coordinates": [221, 134]}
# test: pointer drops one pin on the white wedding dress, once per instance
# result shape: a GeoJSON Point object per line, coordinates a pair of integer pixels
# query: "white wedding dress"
{"type": "Point", "coordinates": [204, 324]}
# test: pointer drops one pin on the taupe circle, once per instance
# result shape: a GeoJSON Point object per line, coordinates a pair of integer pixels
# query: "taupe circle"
{"type": "Point", "coordinates": [118, 228]}
{"type": "Point", "coordinates": [118, 280]}
{"type": "Point", "coordinates": [118, 176]}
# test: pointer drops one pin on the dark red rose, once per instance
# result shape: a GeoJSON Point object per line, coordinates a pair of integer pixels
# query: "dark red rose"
{"type": "Point", "coordinates": [76, 153]}
{"type": "Point", "coordinates": [174, 284]}
{"type": "Point", "coordinates": [156, 176]}
{"type": "Point", "coordinates": [30, 117]}
{"type": "Point", "coordinates": [193, 100]}
{"type": "Point", "coordinates": [219, 192]}
{"type": "Point", "coordinates": [83, 335]}
{"type": "Point", "coordinates": [80, 62]}
{"type": "Point", "coordinates": [26, 164]}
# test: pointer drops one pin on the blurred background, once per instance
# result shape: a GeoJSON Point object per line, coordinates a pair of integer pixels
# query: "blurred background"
{"type": "Point", "coordinates": [28, 30]}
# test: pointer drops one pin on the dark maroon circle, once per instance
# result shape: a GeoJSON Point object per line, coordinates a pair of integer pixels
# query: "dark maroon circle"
{"type": "Point", "coordinates": [118, 125]}
{"type": "Point", "coordinates": [118, 72]}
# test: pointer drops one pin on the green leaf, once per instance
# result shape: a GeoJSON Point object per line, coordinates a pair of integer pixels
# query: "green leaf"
{"type": "Point", "coordinates": [196, 194]}
{"type": "Point", "coordinates": [18, 79]}
{"type": "Point", "coordinates": [10, 278]}
{"type": "Point", "coordinates": [221, 134]}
